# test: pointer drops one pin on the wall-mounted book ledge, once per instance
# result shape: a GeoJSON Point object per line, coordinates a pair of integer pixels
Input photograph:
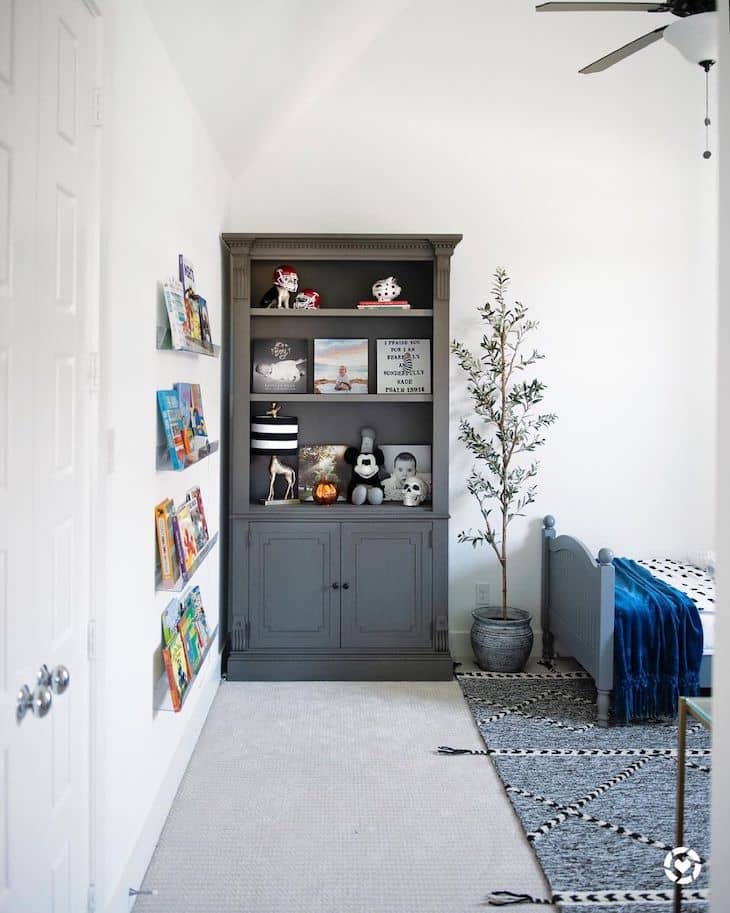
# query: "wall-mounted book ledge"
{"type": "Point", "coordinates": [164, 341]}
{"type": "Point", "coordinates": [183, 581]}
{"type": "Point", "coordinates": [162, 699]}
{"type": "Point", "coordinates": [164, 463]}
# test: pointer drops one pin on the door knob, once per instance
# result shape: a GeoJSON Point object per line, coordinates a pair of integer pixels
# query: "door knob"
{"type": "Point", "coordinates": [335, 586]}
{"type": "Point", "coordinates": [57, 679]}
{"type": "Point", "coordinates": [345, 586]}
{"type": "Point", "coordinates": [37, 701]}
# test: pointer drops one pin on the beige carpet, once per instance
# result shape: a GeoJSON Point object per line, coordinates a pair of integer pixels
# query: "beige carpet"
{"type": "Point", "coordinates": [327, 797]}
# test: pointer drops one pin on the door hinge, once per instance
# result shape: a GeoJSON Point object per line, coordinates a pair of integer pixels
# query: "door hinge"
{"type": "Point", "coordinates": [91, 899]}
{"type": "Point", "coordinates": [91, 639]}
{"type": "Point", "coordinates": [97, 107]}
{"type": "Point", "coordinates": [94, 371]}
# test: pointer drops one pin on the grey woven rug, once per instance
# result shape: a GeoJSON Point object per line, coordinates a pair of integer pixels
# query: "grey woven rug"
{"type": "Point", "coordinates": [597, 805]}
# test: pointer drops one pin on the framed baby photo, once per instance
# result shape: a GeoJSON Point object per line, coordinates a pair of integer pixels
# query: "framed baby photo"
{"type": "Point", "coordinates": [340, 366]}
{"type": "Point", "coordinates": [279, 366]}
{"type": "Point", "coordinates": [403, 461]}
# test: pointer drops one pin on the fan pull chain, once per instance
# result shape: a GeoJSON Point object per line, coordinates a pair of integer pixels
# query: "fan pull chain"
{"type": "Point", "coordinates": [706, 66]}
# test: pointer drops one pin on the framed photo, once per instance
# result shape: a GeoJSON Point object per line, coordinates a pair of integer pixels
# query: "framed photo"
{"type": "Point", "coordinates": [279, 366]}
{"type": "Point", "coordinates": [403, 461]}
{"type": "Point", "coordinates": [404, 366]}
{"type": "Point", "coordinates": [340, 366]}
{"type": "Point", "coordinates": [322, 461]}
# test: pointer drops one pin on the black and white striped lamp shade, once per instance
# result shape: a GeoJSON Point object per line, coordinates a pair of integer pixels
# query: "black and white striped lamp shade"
{"type": "Point", "coordinates": [274, 435]}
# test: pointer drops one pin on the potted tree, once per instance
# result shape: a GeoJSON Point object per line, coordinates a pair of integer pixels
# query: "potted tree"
{"type": "Point", "coordinates": [502, 480]}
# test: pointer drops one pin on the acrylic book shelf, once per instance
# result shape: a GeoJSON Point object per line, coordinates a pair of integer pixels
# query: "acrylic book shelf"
{"type": "Point", "coordinates": [162, 699]}
{"type": "Point", "coordinates": [192, 346]}
{"type": "Point", "coordinates": [164, 463]}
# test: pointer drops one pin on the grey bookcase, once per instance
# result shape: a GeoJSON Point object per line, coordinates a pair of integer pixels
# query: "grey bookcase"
{"type": "Point", "coordinates": [338, 592]}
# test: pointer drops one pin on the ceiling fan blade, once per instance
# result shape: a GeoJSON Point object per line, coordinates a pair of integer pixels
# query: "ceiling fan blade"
{"type": "Point", "coordinates": [603, 7]}
{"type": "Point", "coordinates": [603, 63]}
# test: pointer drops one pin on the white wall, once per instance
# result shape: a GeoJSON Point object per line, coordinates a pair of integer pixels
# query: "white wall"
{"type": "Point", "coordinates": [721, 668]}
{"type": "Point", "coordinates": [166, 192]}
{"type": "Point", "coordinates": [470, 117]}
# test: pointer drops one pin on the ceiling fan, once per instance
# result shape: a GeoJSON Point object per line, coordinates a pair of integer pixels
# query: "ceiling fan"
{"type": "Point", "coordinates": [693, 34]}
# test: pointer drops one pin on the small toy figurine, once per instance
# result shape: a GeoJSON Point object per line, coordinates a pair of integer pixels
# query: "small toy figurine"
{"type": "Point", "coordinates": [366, 462]}
{"type": "Point", "coordinates": [274, 411]}
{"type": "Point", "coordinates": [386, 289]}
{"type": "Point", "coordinates": [307, 299]}
{"type": "Point", "coordinates": [286, 282]}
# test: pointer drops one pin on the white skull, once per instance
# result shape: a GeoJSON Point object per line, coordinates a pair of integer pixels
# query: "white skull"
{"type": "Point", "coordinates": [414, 492]}
{"type": "Point", "coordinates": [386, 289]}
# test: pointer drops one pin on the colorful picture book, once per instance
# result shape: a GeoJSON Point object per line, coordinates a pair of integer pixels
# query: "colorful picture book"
{"type": "Point", "coordinates": [404, 366]}
{"type": "Point", "coordinates": [205, 334]}
{"type": "Point", "coordinates": [197, 513]}
{"type": "Point", "coordinates": [279, 366]}
{"type": "Point", "coordinates": [172, 291]}
{"type": "Point", "coordinates": [186, 273]}
{"type": "Point", "coordinates": [169, 560]}
{"type": "Point", "coordinates": [200, 431]}
{"type": "Point", "coordinates": [323, 462]}
{"type": "Point", "coordinates": [172, 424]}
{"type": "Point", "coordinates": [402, 462]}
{"type": "Point", "coordinates": [188, 630]}
{"type": "Point", "coordinates": [178, 673]}
{"type": "Point", "coordinates": [170, 618]}
{"type": "Point", "coordinates": [188, 541]}
{"type": "Point", "coordinates": [194, 432]}
{"type": "Point", "coordinates": [340, 366]}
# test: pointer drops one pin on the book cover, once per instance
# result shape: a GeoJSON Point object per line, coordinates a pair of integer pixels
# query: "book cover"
{"type": "Point", "coordinates": [172, 425]}
{"type": "Point", "coordinates": [194, 603]}
{"type": "Point", "coordinates": [188, 630]}
{"type": "Point", "coordinates": [170, 618]}
{"type": "Point", "coordinates": [323, 462]}
{"type": "Point", "coordinates": [166, 548]}
{"type": "Point", "coordinates": [185, 398]}
{"type": "Point", "coordinates": [205, 332]}
{"type": "Point", "coordinates": [340, 366]}
{"type": "Point", "coordinates": [404, 366]}
{"type": "Point", "coordinates": [194, 317]}
{"type": "Point", "coordinates": [187, 535]}
{"type": "Point", "coordinates": [186, 273]}
{"type": "Point", "coordinates": [200, 431]}
{"type": "Point", "coordinates": [196, 495]}
{"type": "Point", "coordinates": [172, 291]}
{"type": "Point", "coordinates": [279, 366]}
{"type": "Point", "coordinates": [178, 674]}
{"type": "Point", "coordinates": [179, 545]}
{"type": "Point", "coordinates": [403, 462]}
{"type": "Point", "coordinates": [198, 528]}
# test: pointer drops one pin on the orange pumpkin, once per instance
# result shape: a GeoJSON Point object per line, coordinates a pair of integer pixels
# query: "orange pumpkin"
{"type": "Point", "coordinates": [325, 492]}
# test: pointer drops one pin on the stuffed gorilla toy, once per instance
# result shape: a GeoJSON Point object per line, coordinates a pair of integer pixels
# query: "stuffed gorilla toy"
{"type": "Point", "coordinates": [366, 462]}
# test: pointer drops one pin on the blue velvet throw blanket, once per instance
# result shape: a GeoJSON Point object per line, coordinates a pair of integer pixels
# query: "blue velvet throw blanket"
{"type": "Point", "coordinates": [657, 645]}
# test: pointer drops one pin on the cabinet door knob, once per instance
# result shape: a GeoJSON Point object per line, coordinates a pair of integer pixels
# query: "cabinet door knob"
{"type": "Point", "coordinates": [345, 586]}
{"type": "Point", "coordinates": [335, 586]}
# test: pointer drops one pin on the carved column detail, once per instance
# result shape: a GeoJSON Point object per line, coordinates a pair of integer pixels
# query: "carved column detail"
{"type": "Point", "coordinates": [239, 275]}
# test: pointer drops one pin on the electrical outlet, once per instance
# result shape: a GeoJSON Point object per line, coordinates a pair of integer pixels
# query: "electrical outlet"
{"type": "Point", "coordinates": [482, 594]}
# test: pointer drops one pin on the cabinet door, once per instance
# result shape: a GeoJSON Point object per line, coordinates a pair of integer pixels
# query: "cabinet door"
{"type": "Point", "coordinates": [292, 603]}
{"type": "Point", "coordinates": [386, 586]}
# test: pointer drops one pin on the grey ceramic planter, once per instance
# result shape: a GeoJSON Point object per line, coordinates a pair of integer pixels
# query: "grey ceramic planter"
{"type": "Point", "coordinates": [501, 645]}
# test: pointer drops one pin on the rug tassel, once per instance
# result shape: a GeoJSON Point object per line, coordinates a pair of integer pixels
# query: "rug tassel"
{"type": "Point", "coordinates": [446, 749]}
{"type": "Point", "coordinates": [506, 898]}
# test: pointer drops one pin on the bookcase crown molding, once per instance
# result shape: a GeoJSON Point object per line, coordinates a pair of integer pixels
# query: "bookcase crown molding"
{"type": "Point", "coordinates": [314, 245]}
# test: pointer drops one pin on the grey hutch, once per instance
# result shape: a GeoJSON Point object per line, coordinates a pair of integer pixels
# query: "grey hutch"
{"type": "Point", "coordinates": [339, 591]}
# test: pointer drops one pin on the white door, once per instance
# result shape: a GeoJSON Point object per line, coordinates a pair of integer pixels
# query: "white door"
{"type": "Point", "coordinates": [48, 252]}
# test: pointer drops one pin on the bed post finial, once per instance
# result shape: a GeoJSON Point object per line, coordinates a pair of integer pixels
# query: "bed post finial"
{"type": "Point", "coordinates": [548, 521]}
{"type": "Point", "coordinates": [605, 556]}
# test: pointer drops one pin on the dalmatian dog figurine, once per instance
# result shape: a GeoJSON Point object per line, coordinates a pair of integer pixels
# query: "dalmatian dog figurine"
{"type": "Point", "coordinates": [386, 289]}
{"type": "Point", "coordinates": [286, 282]}
{"type": "Point", "coordinates": [366, 460]}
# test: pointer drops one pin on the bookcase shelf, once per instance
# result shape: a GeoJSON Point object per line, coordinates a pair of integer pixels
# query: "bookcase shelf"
{"type": "Point", "coordinates": [162, 699]}
{"type": "Point", "coordinates": [340, 312]}
{"type": "Point", "coordinates": [164, 342]}
{"type": "Point", "coordinates": [344, 397]}
{"type": "Point", "coordinates": [178, 587]}
{"type": "Point", "coordinates": [164, 463]}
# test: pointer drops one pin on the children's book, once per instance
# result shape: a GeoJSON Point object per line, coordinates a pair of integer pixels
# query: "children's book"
{"type": "Point", "coordinates": [187, 535]}
{"type": "Point", "coordinates": [195, 317]}
{"type": "Point", "coordinates": [188, 630]}
{"type": "Point", "coordinates": [170, 617]}
{"type": "Point", "coordinates": [178, 673]}
{"type": "Point", "coordinates": [198, 529]}
{"type": "Point", "coordinates": [194, 603]}
{"type": "Point", "coordinates": [200, 432]}
{"type": "Point", "coordinates": [195, 495]}
{"type": "Point", "coordinates": [166, 548]}
{"type": "Point", "coordinates": [173, 426]}
{"type": "Point", "coordinates": [179, 545]}
{"type": "Point", "coordinates": [172, 291]}
{"type": "Point", "coordinates": [185, 397]}
{"type": "Point", "coordinates": [205, 333]}
{"type": "Point", "coordinates": [187, 273]}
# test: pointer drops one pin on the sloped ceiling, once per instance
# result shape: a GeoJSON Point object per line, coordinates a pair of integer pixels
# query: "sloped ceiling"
{"type": "Point", "coordinates": [252, 67]}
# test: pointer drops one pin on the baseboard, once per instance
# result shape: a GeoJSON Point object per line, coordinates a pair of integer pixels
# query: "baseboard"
{"type": "Point", "coordinates": [246, 666]}
{"type": "Point", "coordinates": [137, 865]}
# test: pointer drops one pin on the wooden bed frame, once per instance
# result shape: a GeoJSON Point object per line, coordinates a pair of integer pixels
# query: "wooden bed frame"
{"type": "Point", "coordinates": [577, 610]}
